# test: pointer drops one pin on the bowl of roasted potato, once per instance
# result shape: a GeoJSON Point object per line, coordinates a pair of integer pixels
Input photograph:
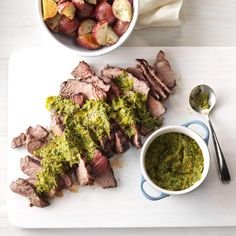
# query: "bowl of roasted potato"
{"type": "Point", "coordinates": [89, 27]}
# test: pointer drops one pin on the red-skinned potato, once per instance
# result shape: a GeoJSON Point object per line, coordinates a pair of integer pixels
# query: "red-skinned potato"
{"type": "Point", "coordinates": [112, 37]}
{"type": "Point", "coordinates": [67, 9]}
{"type": "Point", "coordinates": [53, 23]}
{"type": "Point", "coordinates": [104, 12]}
{"type": "Point", "coordinates": [67, 25]}
{"type": "Point", "coordinates": [120, 27]}
{"type": "Point", "coordinates": [86, 27]}
{"type": "Point", "coordinates": [85, 11]}
{"type": "Point", "coordinates": [122, 10]}
{"type": "Point", "coordinates": [99, 32]}
{"type": "Point", "coordinates": [87, 41]}
{"type": "Point", "coordinates": [78, 3]}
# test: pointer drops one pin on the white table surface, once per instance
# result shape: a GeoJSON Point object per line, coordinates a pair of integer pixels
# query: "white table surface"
{"type": "Point", "coordinates": [205, 23]}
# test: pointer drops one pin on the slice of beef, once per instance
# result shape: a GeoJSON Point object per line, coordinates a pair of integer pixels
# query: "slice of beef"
{"type": "Point", "coordinates": [30, 165]}
{"type": "Point", "coordinates": [36, 137]}
{"type": "Point", "coordinates": [67, 181]}
{"type": "Point", "coordinates": [96, 81]}
{"type": "Point", "coordinates": [111, 72]}
{"type": "Point", "coordinates": [136, 72]}
{"type": "Point", "coordinates": [73, 86]}
{"type": "Point", "coordinates": [82, 71]}
{"type": "Point", "coordinates": [121, 142]}
{"type": "Point", "coordinates": [33, 144]}
{"type": "Point", "coordinates": [37, 133]}
{"type": "Point", "coordinates": [51, 194]}
{"type": "Point", "coordinates": [155, 107]}
{"type": "Point", "coordinates": [83, 173]}
{"type": "Point", "coordinates": [19, 141]}
{"type": "Point", "coordinates": [106, 79]}
{"type": "Point", "coordinates": [136, 139]}
{"type": "Point", "coordinates": [154, 75]}
{"type": "Point", "coordinates": [102, 171]}
{"type": "Point", "coordinates": [79, 99]}
{"type": "Point", "coordinates": [163, 68]}
{"type": "Point", "coordinates": [57, 123]}
{"type": "Point", "coordinates": [25, 189]}
{"type": "Point", "coordinates": [144, 130]}
{"type": "Point", "coordinates": [155, 85]}
{"type": "Point", "coordinates": [31, 181]}
{"type": "Point", "coordinates": [114, 89]}
{"type": "Point", "coordinates": [32, 140]}
{"type": "Point", "coordinates": [139, 86]}
{"type": "Point", "coordinates": [106, 147]}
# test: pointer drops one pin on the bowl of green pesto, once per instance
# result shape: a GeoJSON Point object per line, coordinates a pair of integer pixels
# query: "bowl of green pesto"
{"type": "Point", "coordinates": [175, 160]}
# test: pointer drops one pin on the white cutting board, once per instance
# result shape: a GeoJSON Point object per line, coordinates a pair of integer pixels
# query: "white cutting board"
{"type": "Point", "coordinates": [35, 74]}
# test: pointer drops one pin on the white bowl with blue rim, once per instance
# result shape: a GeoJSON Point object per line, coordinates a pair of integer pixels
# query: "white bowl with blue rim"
{"type": "Point", "coordinates": [184, 129]}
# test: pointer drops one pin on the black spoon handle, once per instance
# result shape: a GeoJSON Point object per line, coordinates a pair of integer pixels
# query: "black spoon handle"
{"type": "Point", "coordinates": [222, 165]}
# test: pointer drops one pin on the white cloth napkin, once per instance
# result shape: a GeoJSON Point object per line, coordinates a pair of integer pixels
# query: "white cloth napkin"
{"type": "Point", "coordinates": [156, 13]}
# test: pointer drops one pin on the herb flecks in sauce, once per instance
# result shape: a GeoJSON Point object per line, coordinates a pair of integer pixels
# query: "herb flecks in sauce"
{"type": "Point", "coordinates": [124, 82]}
{"type": "Point", "coordinates": [201, 99]}
{"type": "Point", "coordinates": [55, 156]}
{"type": "Point", "coordinates": [174, 161]}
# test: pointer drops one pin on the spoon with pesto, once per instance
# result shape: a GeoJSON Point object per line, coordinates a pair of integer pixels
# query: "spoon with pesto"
{"type": "Point", "coordinates": [202, 99]}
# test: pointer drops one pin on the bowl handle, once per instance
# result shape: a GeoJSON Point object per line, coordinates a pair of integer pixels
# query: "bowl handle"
{"type": "Point", "coordinates": [161, 195]}
{"type": "Point", "coordinates": [198, 122]}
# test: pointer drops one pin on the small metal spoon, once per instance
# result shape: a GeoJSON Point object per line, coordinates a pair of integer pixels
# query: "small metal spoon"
{"type": "Point", "coordinates": [205, 111]}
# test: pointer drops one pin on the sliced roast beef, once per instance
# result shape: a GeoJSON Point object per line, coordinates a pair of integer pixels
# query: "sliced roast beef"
{"type": "Point", "coordinates": [25, 189]}
{"type": "Point", "coordinates": [33, 144]}
{"type": "Point", "coordinates": [67, 181]}
{"type": "Point", "coordinates": [106, 147]}
{"type": "Point", "coordinates": [163, 68]}
{"type": "Point", "coordinates": [106, 79]}
{"type": "Point", "coordinates": [74, 86]}
{"type": "Point", "coordinates": [19, 141]}
{"type": "Point", "coordinates": [136, 140]}
{"type": "Point", "coordinates": [152, 79]}
{"type": "Point", "coordinates": [97, 82]}
{"type": "Point", "coordinates": [83, 173]}
{"type": "Point", "coordinates": [144, 131]}
{"type": "Point", "coordinates": [136, 72]}
{"type": "Point", "coordinates": [114, 89]}
{"type": "Point", "coordinates": [121, 142]}
{"type": "Point", "coordinates": [38, 133]}
{"type": "Point", "coordinates": [82, 71]}
{"type": "Point", "coordinates": [30, 165]}
{"type": "Point", "coordinates": [32, 140]}
{"type": "Point", "coordinates": [155, 107]}
{"type": "Point", "coordinates": [139, 86]}
{"type": "Point", "coordinates": [57, 124]}
{"type": "Point", "coordinates": [51, 194]}
{"type": "Point", "coordinates": [102, 171]}
{"type": "Point", "coordinates": [31, 181]}
{"type": "Point", "coordinates": [79, 99]}
{"type": "Point", "coordinates": [111, 72]}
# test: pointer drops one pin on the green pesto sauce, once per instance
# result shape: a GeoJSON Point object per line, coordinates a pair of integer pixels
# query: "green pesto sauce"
{"type": "Point", "coordinates": [54, 162]}
{"type": "Point", "coordinates": [124, 82]}
{"type": "Point", "coordinates": [201, 99]}
{"type": "Point", "coordinates": [174, 161]}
